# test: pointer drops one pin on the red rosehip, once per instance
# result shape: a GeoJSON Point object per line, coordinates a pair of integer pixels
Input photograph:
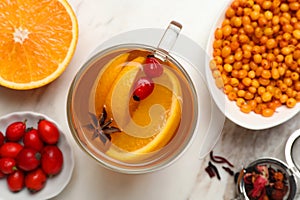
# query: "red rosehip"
{"type": "Point", "coordinates": [152, 67]}
{"type": "Point", "coordinates": [143, 88]}
{"type": "Point", "coordinates": [15, 131]}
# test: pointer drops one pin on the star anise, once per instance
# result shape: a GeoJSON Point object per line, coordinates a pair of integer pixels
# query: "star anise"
{"type": "Point", "coordinates": [101, 127]}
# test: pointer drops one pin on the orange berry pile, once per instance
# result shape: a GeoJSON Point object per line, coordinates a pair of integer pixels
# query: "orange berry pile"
{"type": "Point", "coordinates": [256, 55]}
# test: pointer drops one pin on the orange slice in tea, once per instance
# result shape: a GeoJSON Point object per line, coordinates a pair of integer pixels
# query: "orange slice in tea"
{"type": "Point", "coordinates": [107, 76]}
{"type": "Point", "coordinates": [118, 97]}
{"type": "Point", "coordinates": [38, 39]}
{"type": "Point", "coordinates": [158, 116]}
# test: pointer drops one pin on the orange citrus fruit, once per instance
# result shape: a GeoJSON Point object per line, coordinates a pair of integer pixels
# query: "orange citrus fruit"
{"type": "Point", "coordinates": [38, 39]}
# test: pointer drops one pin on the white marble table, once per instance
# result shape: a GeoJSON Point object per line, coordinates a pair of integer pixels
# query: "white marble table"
{"type": "Point", "coordinates": [186, 179]}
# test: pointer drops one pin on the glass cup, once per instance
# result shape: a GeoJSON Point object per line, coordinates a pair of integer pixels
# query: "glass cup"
{"type": "Point", "coordinates": [93, 128]}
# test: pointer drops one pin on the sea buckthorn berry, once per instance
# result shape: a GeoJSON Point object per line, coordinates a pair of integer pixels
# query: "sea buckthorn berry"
{"type": "Point", "coordinates": [230, 12]}
{"type": "Point", "coordinates": [234, 82]}
{"type": "Point", "coordinates": [226, 51]}
{"type": "Point", "coordinates": [254, 15]}
{"type": "Point", "coordinates": [218, 60]}
{"type": "Point", "coordinates": [252, 89]}
{"type": "Point", "coordinates": [238, 55]}
{"type": "Point", "coordinates": [294, 6]}
{"type": "Point", "coordinates": [277, 93]}
{"type": "Point", "coordinates": [261, 90]}
{"type": "Point", "coordinates": [234, 73]}
{"type": "Point", "coordinates": [219, 82]}
{"type": "Point", "coordinates": [281, 71]}
{"type": "Point", "coordinates": [241, 93]}
{"type": "Point", "coordinates": [268, 15]}
{"type": "Point", "coordinates": [272, 105]}
{"type": "Point", "coordinates": [245, 108]}
{"type": "Point", "coordinates": [264, 81]}
{"type": "Point", "coordinates": [290, 92]}
{"type": "Point", "coordinates": [271, 43]}
{"type": "Point", "coordinates": [213, 65]}
{"type": "Point", "coordinates": [217, 52]}
{"type": "Point", "coordinates": [227, 29]}
{"type": "Point", "coordinates": [266, 74]}
{"type": "Point", "coordinates": [275, 73]}
{"type": "Point", "coordinates": [266, 97]}
{"type": "Point", "coordinates": [267, 112]}
{"type": "Point", "coordinates": [286, 50]}
{"type": "Point", "coordinates": [246, 81]}
{"type": "Point", "coordinates": [247, 54]}
{"type": "Point", "coordinates": [288, 81]}
{"type": "Point", "coordinates": [238, 65]}
{"type": "Point", "coordinates": [240, 102]}
{"type": "Point", "coordinates": [257, 58]}
{"type": "Point", "coordinates": [243, 38]}
{"type": "Point", "coordinates": [268, 31]}
{"type": "Point", "coordinates": [252, 104]}
{"type": "Point", "coordinates": [232, 96]}
{"type": "Point", "coordinates": [217, 44]}
{"type": "Point", "coordinates": [259, 108]}
{"type": "Point", "coordinates": [249, 95]}
{"type": "Point", "coordinates": [241, 86]}
{"type": "Point", "coordinates": [224, 78]}
{"type": "Point", "coordinates": [237, 21]}
{"type": "Point", "coordinates": [258, 99]}
{"type": "Point", "coordinates": [291, 102]}
{"type": "Point", "coordinates": [271, 89]}
{"type": "Point", "coordinates": [242, 73]}
{"type": "Point", "coordinates": [227, 89]}
{"type": "Point", "coordinates": [283, 98]}
{"type": "Point", "coordinates": [266, 5]}
{"type": "Point", "coordinates": [251, 74]}
{"type": "Point", "coordinates": [284, 7]}
{"type": "Point", "coordinates": [255, 83]}
{"type": "Point", "coordinates": [228, 67]}
{"type": "Point", "coordinates": [218, 34]}
{"type": "Point", "coordinates": [234, 45]}
{"type": "Point", "coordinates": [283, 87]}
{"type": "Point", "coordinates": [230, 59]}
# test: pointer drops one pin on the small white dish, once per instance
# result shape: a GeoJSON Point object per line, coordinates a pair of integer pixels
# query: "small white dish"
{"type": "Point", "coordinates": [252, 120]}
{"type": "Point", "coordinates": [55, 184]}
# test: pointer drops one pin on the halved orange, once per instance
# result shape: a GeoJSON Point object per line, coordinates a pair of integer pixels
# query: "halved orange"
{"type": "Point", "coordinates": [37, 41]}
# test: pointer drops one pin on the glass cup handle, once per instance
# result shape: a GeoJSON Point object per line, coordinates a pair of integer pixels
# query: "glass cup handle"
{"type": "Point", "coordinates": [168, 40]}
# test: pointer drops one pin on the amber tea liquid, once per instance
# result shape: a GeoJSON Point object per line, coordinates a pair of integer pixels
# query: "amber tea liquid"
{"type": "Point", "coordinates": [158, 124]}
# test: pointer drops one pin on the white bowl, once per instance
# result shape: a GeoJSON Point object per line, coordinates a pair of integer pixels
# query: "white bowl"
{"type": "Point", "coordinates": [54, 184]}
{"type": "Point", "coordinates": [229, 108]}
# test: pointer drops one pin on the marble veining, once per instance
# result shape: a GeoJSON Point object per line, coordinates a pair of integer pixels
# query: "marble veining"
{"type": "Point", "coordinates": [98, 21]}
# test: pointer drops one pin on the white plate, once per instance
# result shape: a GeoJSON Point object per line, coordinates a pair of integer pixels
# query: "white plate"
{"type": "Point", "coordinates": [54, 184]}
{"type": "Point", "coordinates": [229, 108]}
